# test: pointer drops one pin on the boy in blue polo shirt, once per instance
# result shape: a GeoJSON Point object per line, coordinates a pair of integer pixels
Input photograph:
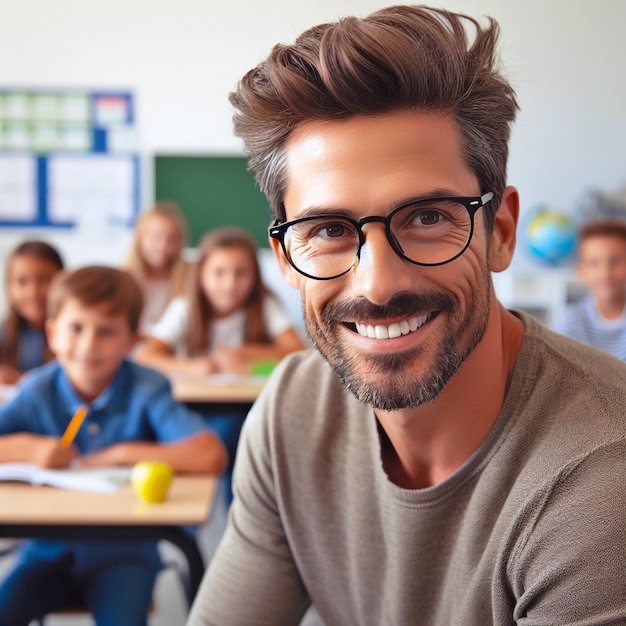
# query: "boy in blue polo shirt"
{"type": "Point", "coordinates": [93, 316]}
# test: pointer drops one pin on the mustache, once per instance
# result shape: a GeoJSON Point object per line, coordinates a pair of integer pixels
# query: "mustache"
{"type": "Point", "coordinates": [404, 304]}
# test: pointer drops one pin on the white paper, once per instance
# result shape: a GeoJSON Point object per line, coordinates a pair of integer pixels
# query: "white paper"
{"type": "Point", "coordinates": [18, 193]}
{"type": "Point", "coordinates": [110, 110]}
{"type": "Point", "coordinates": [93, 191]}
{"type": "Point", "coordinates": [74, 107]}
{"type": "Point", "coordinates": [17, 106]}
{"type": "Point", "coordinates": [101, 480]}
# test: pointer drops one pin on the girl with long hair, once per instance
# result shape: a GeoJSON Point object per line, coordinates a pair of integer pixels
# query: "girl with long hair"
{"type": "Point", "coordinates": [155, 259]}
{"type": "Point", "coordinates": [228, 321]}
{"type": "Point", "coordinates": [23, 346]}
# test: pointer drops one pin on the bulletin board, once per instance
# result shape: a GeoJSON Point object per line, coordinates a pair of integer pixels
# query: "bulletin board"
{"type": "Point", "coordinates": [66, 155]}
{"type": "Point", "coordinates": [213, 191]}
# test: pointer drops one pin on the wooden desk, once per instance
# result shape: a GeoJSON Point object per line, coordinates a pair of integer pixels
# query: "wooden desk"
{"type": "Point", "coordinates": [50, 513]}
{"type": "Point", "coordinates": [218, 389]}
{"type": "Point", "coordinates": [224, 390]}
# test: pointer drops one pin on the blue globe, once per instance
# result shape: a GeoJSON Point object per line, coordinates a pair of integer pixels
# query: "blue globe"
{"type": "Point", "coordinates": [551, 236]}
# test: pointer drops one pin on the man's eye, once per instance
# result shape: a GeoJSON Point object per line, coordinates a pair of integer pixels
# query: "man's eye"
{"type": "Point", "coordinates": [428, 218]}
{"type": "Point", "coordinates": [332, 230]}
{"type": "Point", "coordinates": [75, 328]}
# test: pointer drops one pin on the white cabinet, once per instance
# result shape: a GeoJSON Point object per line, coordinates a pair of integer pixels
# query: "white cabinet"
{"type": "Point", "coordinates": [542, 292]}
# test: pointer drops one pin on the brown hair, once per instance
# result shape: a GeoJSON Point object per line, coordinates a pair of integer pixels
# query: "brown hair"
{"type": "Point", "coordinates": [95, 284]}
{"type": "Point", "coordinates": [201, 313]}
{"type": "Point", "coordinates": [603, 228]}
{"type": "Point", "coordinates": [398, 58]}
{"type": "Point", "coordinates": [14, 322]}
{"type": "Point", "coordinates": [179, 268]}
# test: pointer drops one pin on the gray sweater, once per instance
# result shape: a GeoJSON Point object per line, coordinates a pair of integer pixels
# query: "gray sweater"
{"type": "Point", "coordinates": [530, 530]}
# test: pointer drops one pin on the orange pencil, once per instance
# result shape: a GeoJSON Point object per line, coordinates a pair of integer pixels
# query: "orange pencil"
{"type": "Point", "coordinates": [74, 425]}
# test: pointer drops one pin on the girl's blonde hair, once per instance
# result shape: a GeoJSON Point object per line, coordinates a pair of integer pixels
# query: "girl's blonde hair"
{"type": "Point", "coordinates": [14, 323]}
{"type": "Point", "coordinates": [179, 268]}
{"type": "Point", "coordinates": [202, 314]}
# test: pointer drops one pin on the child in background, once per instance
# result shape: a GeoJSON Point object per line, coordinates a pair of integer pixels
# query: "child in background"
{"type": "Point", "coordinates": [93, 315]}
{"type": "Point", "coordinates": [228, 322]}
{"type": "Point", "coordinates": [23, 346]}
{"type": "Point", "coordinates": [155, 259]}
{"type": "Point", "coordinates": [600, 318]}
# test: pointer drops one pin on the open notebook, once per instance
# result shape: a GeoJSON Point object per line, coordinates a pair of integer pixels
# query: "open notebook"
{"type": "Point", "coordinates": [100, 480]}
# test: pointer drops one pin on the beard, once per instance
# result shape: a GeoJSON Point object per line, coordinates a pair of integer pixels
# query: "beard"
{"type": "Point", "coordinates": [392, 381]}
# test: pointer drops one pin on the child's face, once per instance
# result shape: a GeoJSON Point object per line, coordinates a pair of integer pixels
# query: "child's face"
{"type": "Point", "coordinates": [90, 344]}
{"type": "Point", "coordinates": [227, 279]}
{"type": "Point", "coordinates": [28, 280]}
{"type": "Point", "coordinates": [602, 266]}
{"type": "Point", "coordinates": [160, 243]}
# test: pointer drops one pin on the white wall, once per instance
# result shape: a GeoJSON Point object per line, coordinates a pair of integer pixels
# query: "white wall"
{"type": "Point", "coordinates": [182, 57]}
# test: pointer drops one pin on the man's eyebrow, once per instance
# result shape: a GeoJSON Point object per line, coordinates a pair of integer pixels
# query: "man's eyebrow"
{"type": "Point", "coordinates": [321, 211]}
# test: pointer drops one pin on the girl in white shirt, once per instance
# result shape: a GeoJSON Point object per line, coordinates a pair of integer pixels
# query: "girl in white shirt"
{"type": "Point", "coordinates": [228, 321]}
{"type": "Point", "coordinates": [155, 259]}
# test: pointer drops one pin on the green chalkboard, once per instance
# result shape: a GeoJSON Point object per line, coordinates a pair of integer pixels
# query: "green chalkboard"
{"type": "Point", "coordinates": [212, 191]}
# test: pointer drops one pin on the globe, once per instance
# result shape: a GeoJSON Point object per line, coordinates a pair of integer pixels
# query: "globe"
{"type": "Point", "coordinates": [551, 236]}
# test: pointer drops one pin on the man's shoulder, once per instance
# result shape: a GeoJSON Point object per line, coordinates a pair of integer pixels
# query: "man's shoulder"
{"type": "Point", "coordinates": [586, 381]}
{"type": "Point", "coordinates": [304, 370]}
{"type": "Point", "coordinates": [581, 359]}
{"type": "Point", "coordinates": [304, 393]}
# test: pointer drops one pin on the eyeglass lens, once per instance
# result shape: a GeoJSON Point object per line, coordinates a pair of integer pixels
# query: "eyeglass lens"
{"type": "Point", "coordinates": [427, 232]}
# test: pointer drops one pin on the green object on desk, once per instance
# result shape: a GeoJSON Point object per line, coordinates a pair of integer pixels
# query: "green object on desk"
{"type": "Point", "coordinates": [263, 368]}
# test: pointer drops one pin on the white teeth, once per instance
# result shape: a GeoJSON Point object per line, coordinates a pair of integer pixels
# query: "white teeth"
{"type": "Point", "coordinates": [394, 330]}
{"type": "Point", "coordinates": [397, 329]}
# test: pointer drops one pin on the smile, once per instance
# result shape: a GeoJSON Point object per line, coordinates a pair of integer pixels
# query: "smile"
{"type": "Point", "coordinates": [391, 331]}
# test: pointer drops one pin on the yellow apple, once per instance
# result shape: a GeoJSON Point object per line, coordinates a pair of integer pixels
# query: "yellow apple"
{"type": "Point", "coordinates": [151, 480]}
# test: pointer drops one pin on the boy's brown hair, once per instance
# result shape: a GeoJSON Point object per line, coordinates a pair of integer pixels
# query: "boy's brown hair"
{"type": "Point", "coordinates": [603, 228]}
{"type": "Point", "coordinates": [95, 284]}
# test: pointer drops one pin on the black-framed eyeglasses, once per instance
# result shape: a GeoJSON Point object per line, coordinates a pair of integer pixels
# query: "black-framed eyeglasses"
{"type": "Point", "coordinates": [426, 231]}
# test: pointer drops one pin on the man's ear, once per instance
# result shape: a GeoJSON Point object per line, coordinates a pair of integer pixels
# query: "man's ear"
{"type": "Point", "coordinates": [289, 274]}
{"type": "Point", "coordinates": [503, 236]}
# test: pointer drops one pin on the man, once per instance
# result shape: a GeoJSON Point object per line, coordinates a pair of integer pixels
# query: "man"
{"type": "Point", "coordinates": [438, 459]}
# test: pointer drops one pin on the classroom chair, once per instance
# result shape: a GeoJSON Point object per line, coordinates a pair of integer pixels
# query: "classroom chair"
{"type": "Point", "coordinates": [179, 566]}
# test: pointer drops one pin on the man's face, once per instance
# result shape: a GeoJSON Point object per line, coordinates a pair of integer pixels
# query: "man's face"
{"type": "Point", "coordinates": [364, 167]}
{"type": "Point", "coordinates": [90, 344]}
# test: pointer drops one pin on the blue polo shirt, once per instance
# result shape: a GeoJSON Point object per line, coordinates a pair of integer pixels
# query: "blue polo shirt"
{"type": "Point", "coordinates": [31, 345]}
{"type": "Point", "coordinates": [138, 405]}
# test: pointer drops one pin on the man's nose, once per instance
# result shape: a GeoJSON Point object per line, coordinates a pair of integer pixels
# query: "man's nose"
{"type": "Point", "coordinates": [379, 273]}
